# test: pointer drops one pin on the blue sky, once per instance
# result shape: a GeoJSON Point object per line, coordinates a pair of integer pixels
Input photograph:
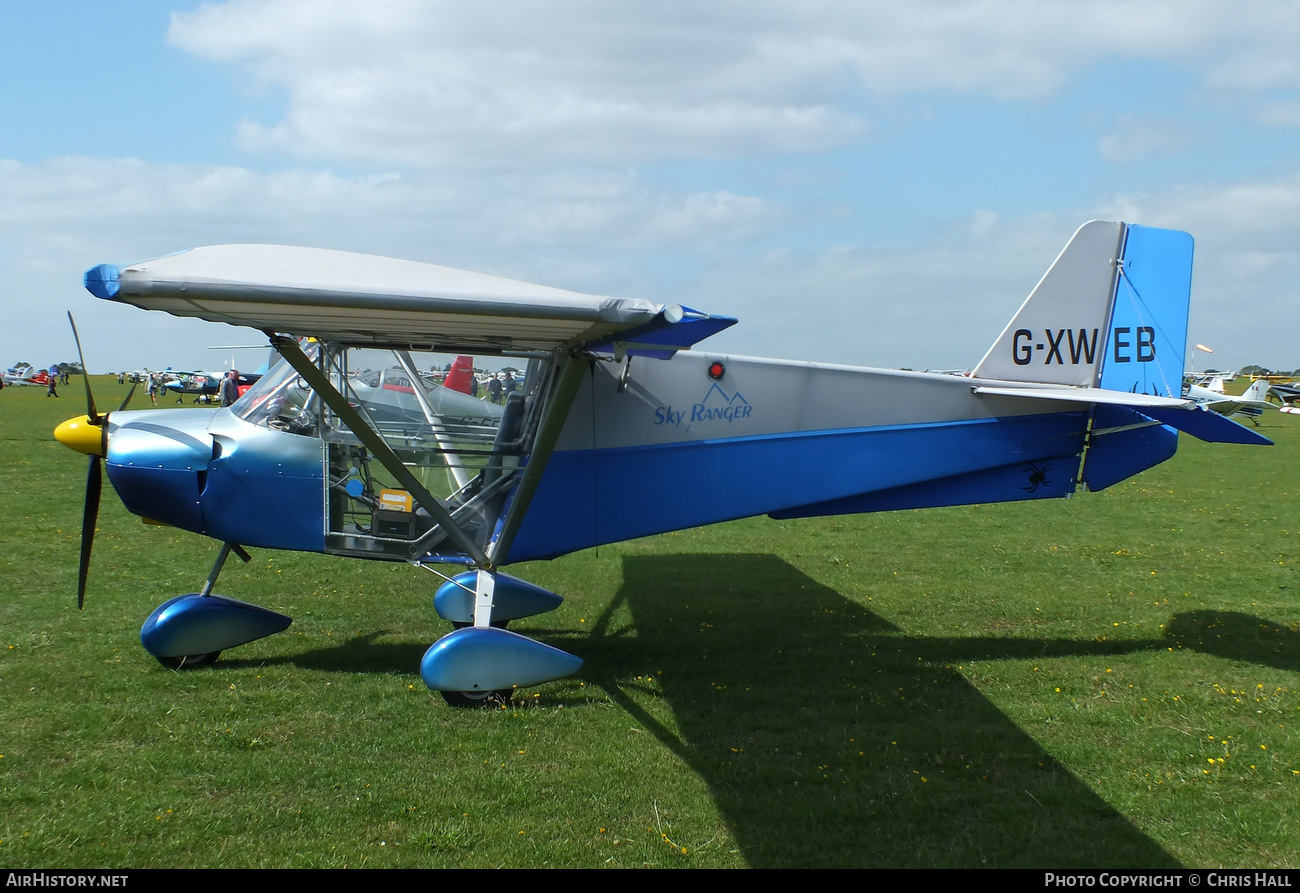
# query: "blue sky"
{"type": "Point", "coordinates": [859, 183]}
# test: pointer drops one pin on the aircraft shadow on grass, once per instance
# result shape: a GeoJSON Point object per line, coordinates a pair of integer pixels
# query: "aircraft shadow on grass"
{"type": "Point", "coordinates": [829, 738]}
{"type": "Point", "coordinates": [1236, 636]}
{"type": "Point", "coordinates": [1227, 634]}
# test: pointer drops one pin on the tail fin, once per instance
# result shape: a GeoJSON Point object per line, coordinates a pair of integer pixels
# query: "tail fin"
{"type": "Point", "coordinates": [1111, 312]}
{"type": "Point", "coordinates": [1109, 321]}
{"type": "Point", "coordinates": [461, 375]}
{"type": "Point", "coordinates": [1147, 335]}
{"type": "Point", "coordinates": [1257, 392]}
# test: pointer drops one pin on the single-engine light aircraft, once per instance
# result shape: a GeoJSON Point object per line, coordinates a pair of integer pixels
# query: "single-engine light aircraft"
{"type": "Point", "coordinates": [1251, 404]}
{"type": "Point", "coordinates": [619, 427]}
{"type": "Point", "coordinates": [1288, 396]}
{"type": "Point", "coordinates": [24, 374]}
{"type": "Point", "coordinates": [203, 385]}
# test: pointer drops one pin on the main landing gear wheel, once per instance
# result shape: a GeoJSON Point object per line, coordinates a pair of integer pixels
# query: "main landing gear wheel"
{"type": "Point", "coordinates": [189, 661]}
{"type": "Point", "coordinates": [472, 699]}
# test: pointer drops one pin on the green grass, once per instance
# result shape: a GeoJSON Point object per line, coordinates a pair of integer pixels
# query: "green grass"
{"type": "Point", "coordinates": [1112, 680]}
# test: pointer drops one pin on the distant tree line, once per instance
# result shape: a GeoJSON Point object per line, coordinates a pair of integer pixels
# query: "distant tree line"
{"type": "Point", "coordinates": [70, 368]}
{"type": "Point", "coordinates": [1260, 371]}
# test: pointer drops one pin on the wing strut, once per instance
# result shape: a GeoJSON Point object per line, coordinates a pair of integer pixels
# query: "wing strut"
{"type": "Point", "coordinates": [320, 383]}
{"type": "Point", "coordinates": [569, 377]}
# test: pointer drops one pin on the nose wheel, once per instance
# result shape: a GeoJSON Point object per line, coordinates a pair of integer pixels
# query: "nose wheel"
{"type": "Point", "coordinates": [189, 661]}
{"type": "Point", "coordinates": [473, 699]}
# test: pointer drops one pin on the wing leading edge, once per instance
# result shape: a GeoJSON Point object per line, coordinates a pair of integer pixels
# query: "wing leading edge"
{"type": "Point", "coordinates": [362, 299]}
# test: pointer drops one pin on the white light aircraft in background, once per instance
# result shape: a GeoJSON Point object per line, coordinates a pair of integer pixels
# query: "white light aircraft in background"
{"type": "Point", "coordinates": [1252, 403]}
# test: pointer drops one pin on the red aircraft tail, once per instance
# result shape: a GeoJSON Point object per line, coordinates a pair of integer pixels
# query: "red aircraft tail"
{"type": "Point", "coordinates": [461, 376]}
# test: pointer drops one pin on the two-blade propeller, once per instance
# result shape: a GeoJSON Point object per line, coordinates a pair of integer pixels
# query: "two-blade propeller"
{"type": "Point", "coordinates": [88, 435]}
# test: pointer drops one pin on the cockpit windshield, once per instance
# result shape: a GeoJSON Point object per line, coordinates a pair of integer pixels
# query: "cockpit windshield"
{"type": "Point", "coordinates": [281, 399]}
{"type": "Point", "coordinates": [462, 434]}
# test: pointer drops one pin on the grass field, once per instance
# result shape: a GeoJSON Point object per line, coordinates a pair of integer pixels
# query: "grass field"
{"type": "Point", "coordinates": [1112, 680]}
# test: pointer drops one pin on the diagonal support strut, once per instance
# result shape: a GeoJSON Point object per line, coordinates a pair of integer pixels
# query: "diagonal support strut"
{"type": "Point", "coordinates": [339, 405]}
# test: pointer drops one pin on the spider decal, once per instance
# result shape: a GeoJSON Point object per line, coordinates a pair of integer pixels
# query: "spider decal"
{"type": "Point", "coordinates": [1037, 478]}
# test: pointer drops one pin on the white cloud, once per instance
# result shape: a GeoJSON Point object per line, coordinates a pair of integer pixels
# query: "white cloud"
{"type": "Point", "coordinates": [1279, 113]}
{"type": "Point", "coordinates": [59, 218]}
{"type": "Point", "coordinates": [936, 301]}
{"type": "Point", "coordinates": [933, 304]}
{"type": "Point", "coordinates": [1135, 139]}
{"type": "Point", "coordinates": [1247, 280]}
{"type": "Point", "coordinates": [509, 138]}
{"type": "Point", "coordinates": [443, 85]}
{"type": "Point", "coordinates": [940, 302]}
{"type": "Point", "coordinates": [432, 85]}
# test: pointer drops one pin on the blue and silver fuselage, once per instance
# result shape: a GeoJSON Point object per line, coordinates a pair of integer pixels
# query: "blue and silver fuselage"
{"type": "Point", "coordinates": [677, 443]}
{"type": "Point", "coordinates": [215, 474]}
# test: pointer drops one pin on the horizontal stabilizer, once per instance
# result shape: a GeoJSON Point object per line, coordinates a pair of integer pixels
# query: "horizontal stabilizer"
{"type": "Point", "coordinates": [1208, 426]}
{"type": "Point", "coordinates": [1185, 415]}
{"type": "Point", "coordinates": [1089, 395]}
